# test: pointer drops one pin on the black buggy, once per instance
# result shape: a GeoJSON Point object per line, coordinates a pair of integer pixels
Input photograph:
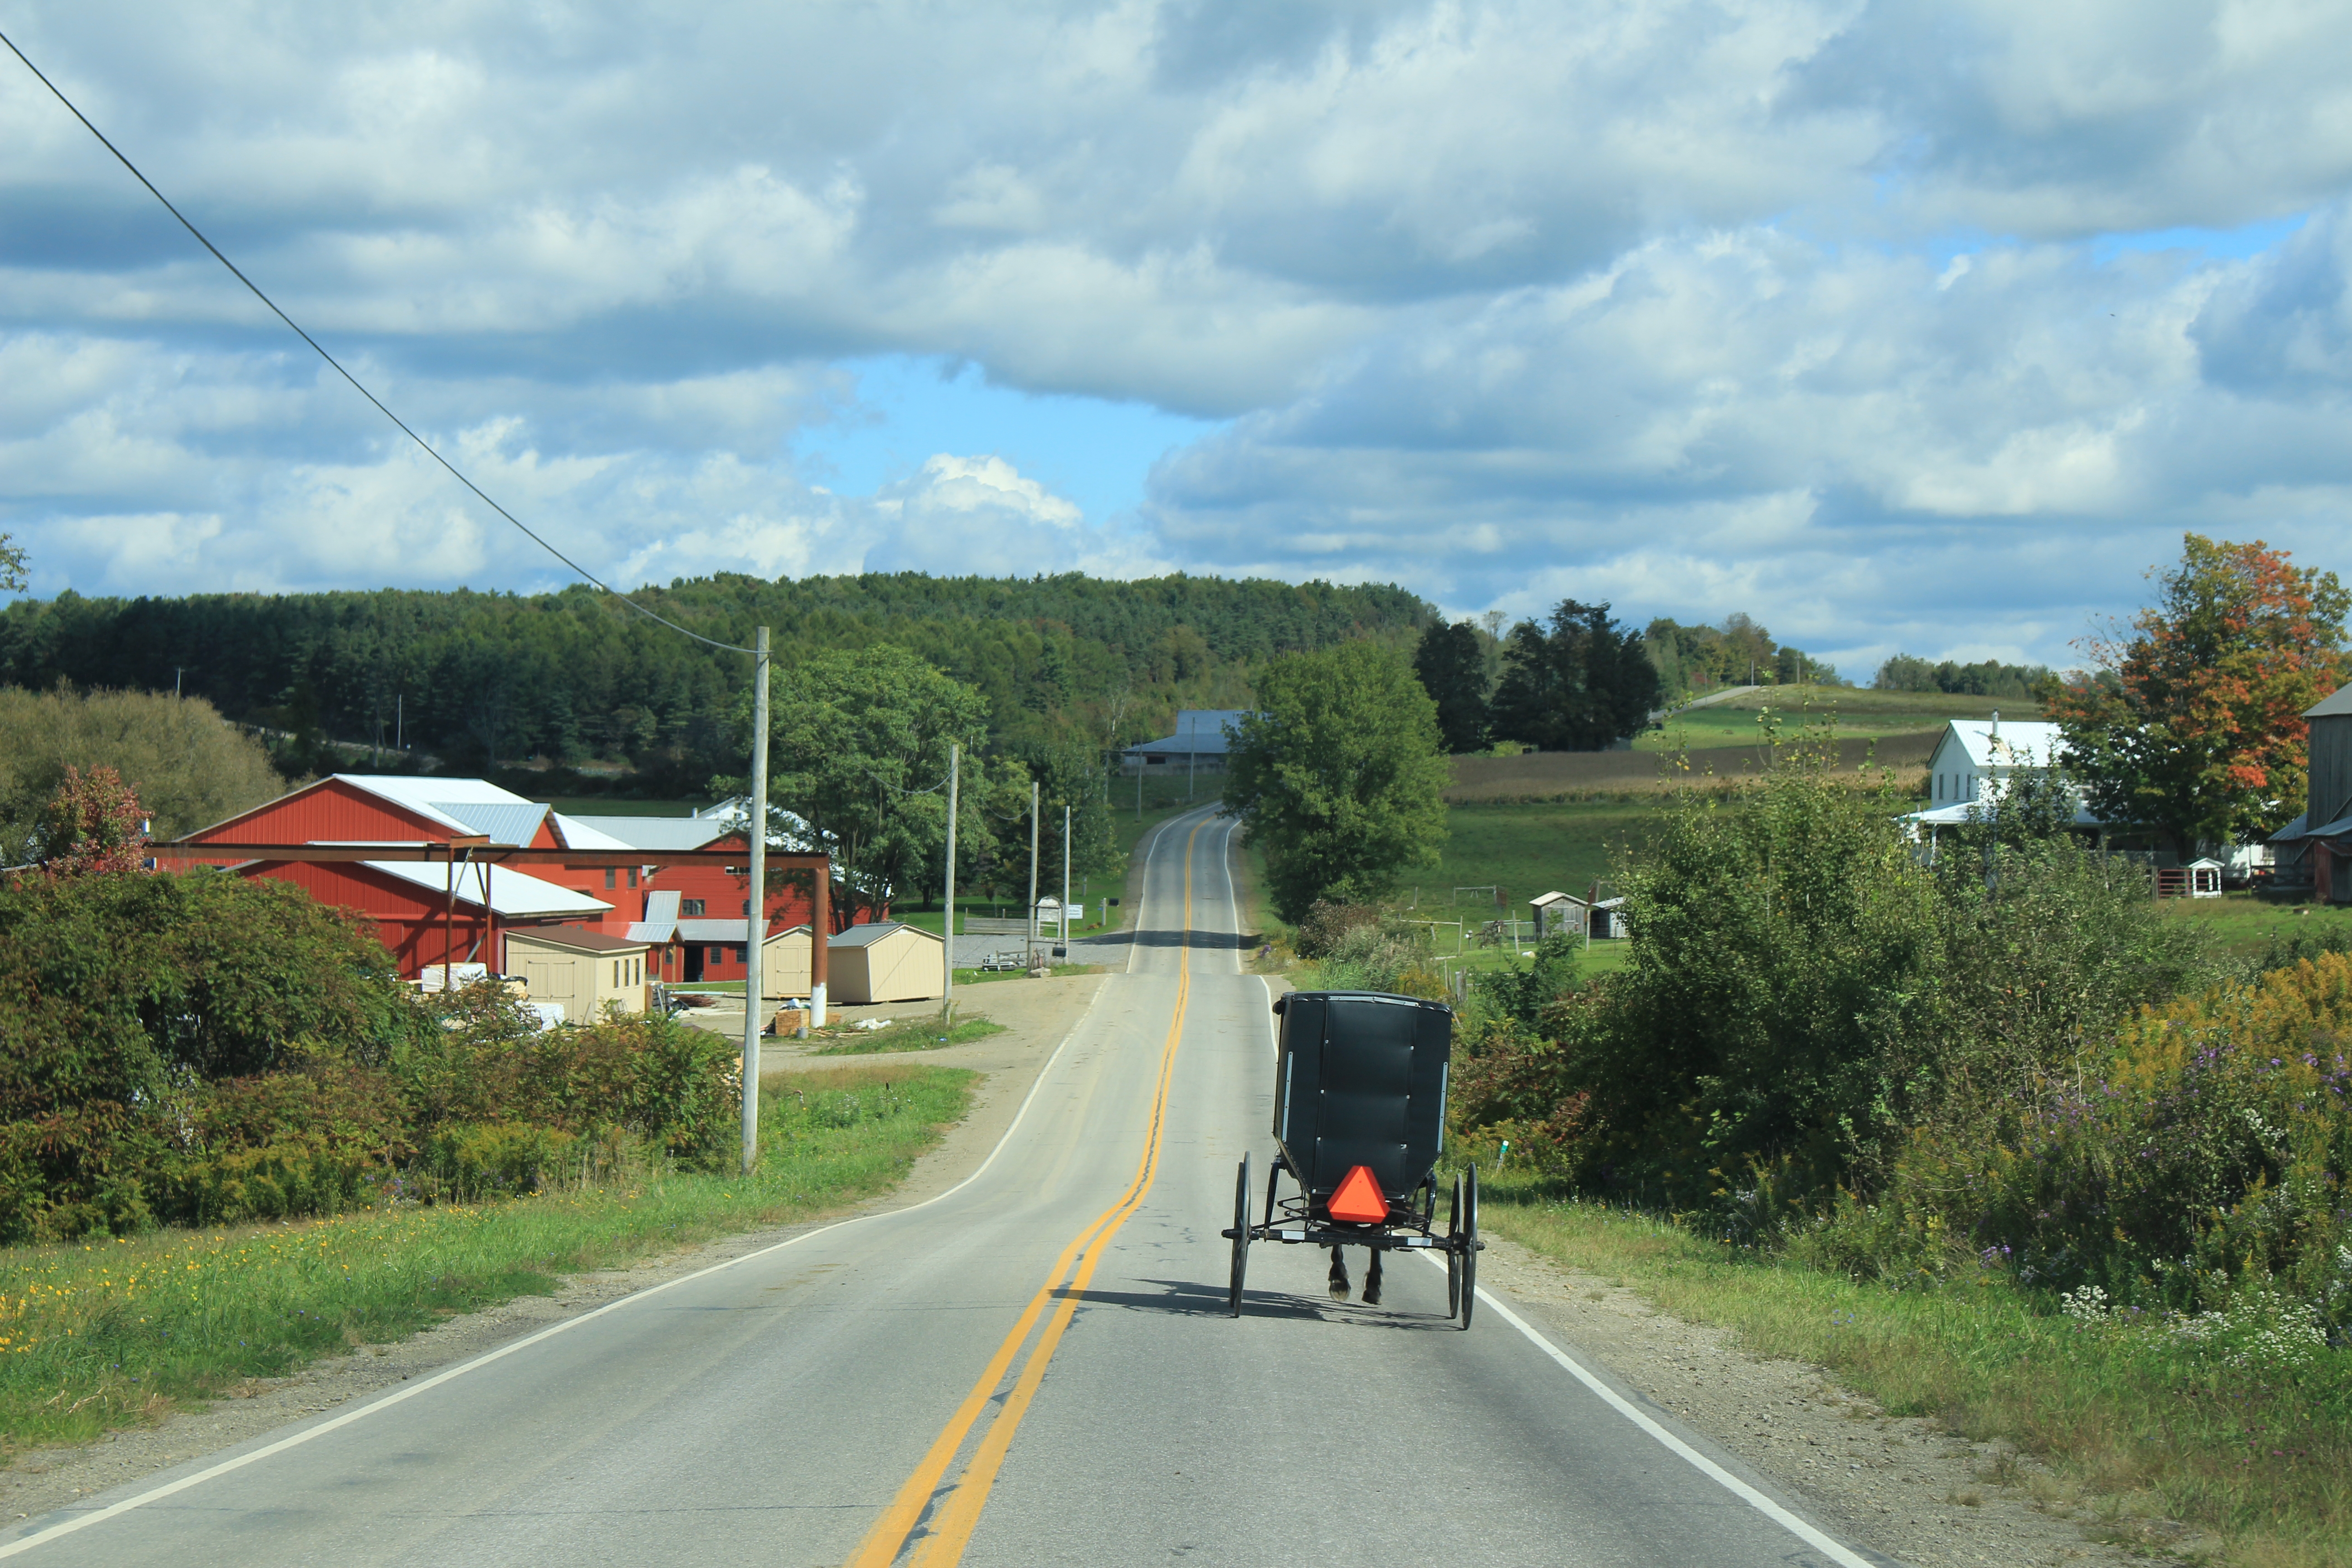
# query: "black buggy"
{"type": "Point", "coordinates": [1359, 1121]}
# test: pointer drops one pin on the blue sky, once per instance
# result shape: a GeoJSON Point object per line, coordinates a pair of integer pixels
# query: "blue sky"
{"type": "Point", "coordinates": [904, 408]}
{"type": "Point", "coordinates": [1898, 326]}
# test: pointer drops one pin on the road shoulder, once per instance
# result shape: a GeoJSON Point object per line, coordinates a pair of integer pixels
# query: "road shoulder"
{"type": "Point", "coordinates": [1038, 1015]}
{"type": "Point", "coordinates": [1904, 1487]}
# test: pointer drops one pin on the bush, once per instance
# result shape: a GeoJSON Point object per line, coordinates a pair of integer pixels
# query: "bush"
{"type": "Point", "coordinates": [1804, 992]}
{"type": "Point", "coordinates": [1327, 922]}
{"type": "Point", "coordinates": [671, 1085]}
{"type": "Point", "coordinates": [1367, 958]}
{"type": "Point", "coordinates": [119, 993]}
{"type": "Point", "coordinates": [203, 1049]}
{"type": "Point", "coordinates": [2204, 1156]}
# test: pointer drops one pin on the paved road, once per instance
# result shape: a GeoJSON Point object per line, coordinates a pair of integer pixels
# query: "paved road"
{"type": "Point", "coordinates": [913, 1388]}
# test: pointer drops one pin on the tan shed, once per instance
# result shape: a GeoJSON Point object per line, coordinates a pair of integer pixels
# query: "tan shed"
{"type": "Point", "coordinates": [578, 971]}
{"type": "Point", "coordinates": [784, 965]}
{"type": "Point", "coordinates": [888, 961]}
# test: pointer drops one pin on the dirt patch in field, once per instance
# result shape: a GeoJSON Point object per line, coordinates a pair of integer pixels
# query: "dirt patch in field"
{"type": "Point", "coordinates": [1550, 776]}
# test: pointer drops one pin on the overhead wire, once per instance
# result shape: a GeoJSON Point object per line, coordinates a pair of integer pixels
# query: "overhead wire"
{"type": "Point", "coordinates": [456, 473]}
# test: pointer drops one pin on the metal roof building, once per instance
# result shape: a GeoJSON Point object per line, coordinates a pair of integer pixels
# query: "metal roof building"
{"type": "Point", "coordinates": [1202, 738]}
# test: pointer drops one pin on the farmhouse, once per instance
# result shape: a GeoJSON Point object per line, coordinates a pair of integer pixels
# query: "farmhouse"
{"type": "Point", "coordinates": [1198, 745]}
{"type": "Point", "coordinates": [1977, 759]}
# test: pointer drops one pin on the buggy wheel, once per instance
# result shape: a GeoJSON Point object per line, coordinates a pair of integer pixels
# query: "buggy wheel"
{"type": "Point", "coordinates": [1453, 1251]}
{"type": "Point", "coordinates": [1240, 1239]}
{"type": "Point", "coordinates": [1469, 1243]}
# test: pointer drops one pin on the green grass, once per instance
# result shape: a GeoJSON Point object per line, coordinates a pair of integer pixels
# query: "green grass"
{"type": "Point", "coordinates": [964, 977]}
{"type": "Point", "coordinates": [1857, 711]}
{"type": "Point", "coordinates": [1525, 850]}
{"type": "Point", "coordinates": [911, 1035]}
{"type": "Point", "coordinates": [2134, 1428]}
{"type": "Point", "coordinates": [2242, 923]}
{"type": "Point", "coordinates": [115, 1333]}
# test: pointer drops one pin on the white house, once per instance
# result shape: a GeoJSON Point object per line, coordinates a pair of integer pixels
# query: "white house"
{"type": "Point", "coordinates": [1974, 763]}
{"type": "Point", "coordinates": [1978, 756]}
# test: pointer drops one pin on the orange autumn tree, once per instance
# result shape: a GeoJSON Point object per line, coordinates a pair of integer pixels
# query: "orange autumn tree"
{"type": "Point", "coordinates": [94, 824]}
{"type": "Point", "coordinates": [2193, 727]}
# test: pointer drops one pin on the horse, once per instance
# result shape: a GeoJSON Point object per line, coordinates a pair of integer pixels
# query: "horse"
{"type": "Point", "coordinates": [1339, 1276]}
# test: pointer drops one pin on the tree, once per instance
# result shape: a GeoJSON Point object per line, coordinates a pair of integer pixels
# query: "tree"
{"type": "Point", "coordinates": [93, 825]}
{"type": "Point", "coordinates": [189, 766]}
{"type": "Point", "coordinates": [858, 750]}
{"type": "Point", "coordinates": [12, 566]}
{"type": "Point", "coordinates": [1338, 777]}
{"type": "Point", "coordinates": [2193, 727]}
{"type": "Point", "coordinates": [1582, 687]}
{"type": "Point", "coordinates": [1452, 664]}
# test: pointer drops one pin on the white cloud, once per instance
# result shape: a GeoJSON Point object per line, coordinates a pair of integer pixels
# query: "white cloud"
{"type": "Point", "coordinates": [1799, 306]}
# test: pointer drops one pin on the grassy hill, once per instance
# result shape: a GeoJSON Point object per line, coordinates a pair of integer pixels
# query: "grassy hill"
{"type": "Point", "coordinates": [1857, 712]}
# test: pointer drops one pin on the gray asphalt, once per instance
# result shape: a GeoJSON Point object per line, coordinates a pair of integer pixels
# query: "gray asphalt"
{"type": "Point", "coordinates": [771, 1411]}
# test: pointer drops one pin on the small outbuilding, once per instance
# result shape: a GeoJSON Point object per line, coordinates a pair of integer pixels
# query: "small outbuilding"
{"type": "Point", "coordinates": [1559, 914]}
{"type": "Point", "coordinates": [578, 971]}
{"type": "Point", "coordinates": [886, 961]}
{"type": "Point", "coordinates": [1608, 920]}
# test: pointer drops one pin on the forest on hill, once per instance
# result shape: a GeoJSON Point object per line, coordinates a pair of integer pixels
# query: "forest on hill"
{"type": "Point", "coordinates": [488, 680]}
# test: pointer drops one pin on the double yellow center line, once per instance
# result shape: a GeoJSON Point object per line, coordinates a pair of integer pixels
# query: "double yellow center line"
{"type": "Point", "coordinates": [942, 1543]}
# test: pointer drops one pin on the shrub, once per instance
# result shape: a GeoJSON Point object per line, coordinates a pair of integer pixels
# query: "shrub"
{"type": "Point", "coordinates": [2204, 1158]}
{"type": "Point", "coordinates": [1367, 958]}
{"type": "Point", "coordinates": [1804, 991]}
{"type": "Point", "coordinates": [669, 1084]}
{"type": "Point", "coordinates": [1327, 922]}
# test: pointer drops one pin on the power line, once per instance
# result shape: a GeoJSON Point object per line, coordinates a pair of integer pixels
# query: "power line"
{"type": "Point", "coordinates": [293, 326]}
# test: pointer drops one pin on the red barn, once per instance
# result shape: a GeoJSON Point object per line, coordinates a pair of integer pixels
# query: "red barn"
{"type": "Point", "coordinates": [424, 920]}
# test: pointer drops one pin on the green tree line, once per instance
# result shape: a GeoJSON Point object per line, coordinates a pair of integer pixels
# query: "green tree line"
{"type": "Point", "coordinates": [486, 679]}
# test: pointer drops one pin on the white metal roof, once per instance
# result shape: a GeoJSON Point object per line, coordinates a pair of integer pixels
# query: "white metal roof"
{"type": "Point", "coordinates": [466, 806]}
{"type": "Point", "coordinates": [577, 834]}
{"type": "Point", "coordinates": [651, 832]}
{"type": "Point", "coordinates": [1957, 815]}
{"type": "Point", "coordinates": [2008, 743]}
{"type": "Point", "coordinates": [868, 933]}
{"type": "Point", "coordinates": [512, 893]}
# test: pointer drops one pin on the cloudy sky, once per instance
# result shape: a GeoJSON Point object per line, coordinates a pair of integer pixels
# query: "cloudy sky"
{"type": "Point", "coordinates": [1918, 326]}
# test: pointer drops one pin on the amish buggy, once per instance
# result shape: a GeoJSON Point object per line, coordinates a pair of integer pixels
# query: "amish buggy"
{"type": "Point", "coordinates": [1359, 1122]}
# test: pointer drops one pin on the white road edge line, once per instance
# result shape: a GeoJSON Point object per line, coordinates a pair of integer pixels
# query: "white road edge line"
{"type": "Point", "coordinates": [1795, 1526]}
{"type": "Point", "coordinates": [83, 1522]}
{"type": "Point", "coordinates": [1836, 1552]}
{"type": "Point", "coordinates": [1135, 943]}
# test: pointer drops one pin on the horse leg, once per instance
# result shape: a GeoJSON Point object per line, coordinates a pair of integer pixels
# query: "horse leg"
{"type": "Point", "coordinates": [1338, 1275]}
{"type": "Point", "coordinates": [1372, 1280]}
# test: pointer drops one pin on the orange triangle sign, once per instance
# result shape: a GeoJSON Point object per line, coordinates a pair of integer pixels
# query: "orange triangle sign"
{"type": "Point", "coordinates": [1358, 1199]}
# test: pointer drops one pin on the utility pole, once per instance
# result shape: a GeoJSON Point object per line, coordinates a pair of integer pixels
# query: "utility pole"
{"type": "Point", "coordinates": [755, 911]}
{"type": "Point", "coordinates": [955, 768]}
{"type": "Point", "coordinates": [1190, 762]}
{"type": "Point", "coordinates": [1033, 871]}
{"type": "Point", "coordinates": [1066, 881]}
{"type": "Point", "coordinates": [1138, 789]}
